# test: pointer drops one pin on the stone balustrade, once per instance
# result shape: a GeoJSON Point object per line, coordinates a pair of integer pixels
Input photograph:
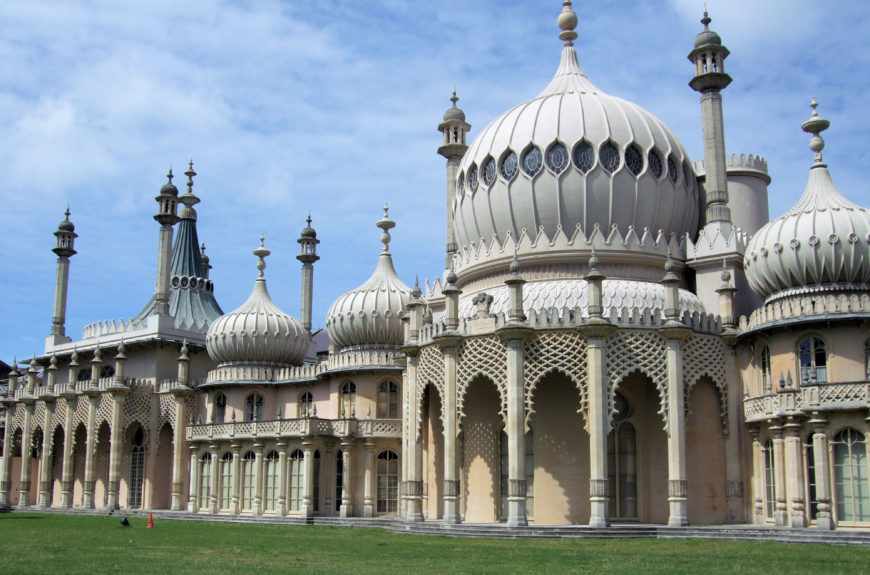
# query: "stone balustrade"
{"type": "Point", "coordinates": [295, 428]}
{"type": "Point", "coordinates": [808, 398]}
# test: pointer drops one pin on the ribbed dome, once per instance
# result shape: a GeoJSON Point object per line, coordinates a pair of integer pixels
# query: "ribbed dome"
{"type": "Point", "coordinates": [824, 239]}
{"type": "Point", "coordinates": [372, 313]}
{"type": "Point", "coordinates": [258, 331]}
{"type": "Point", "coordinates": [574, 156]}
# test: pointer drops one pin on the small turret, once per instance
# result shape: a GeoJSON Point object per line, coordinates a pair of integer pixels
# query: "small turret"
{"type": "Point", "coordinates": [64, 250]}
{"type": "Point", "coordinates": [307, 255]}
{"type": "Point", "coordinates": [166, 216]}
{"type": "Point", "coordinates": [455, 130]}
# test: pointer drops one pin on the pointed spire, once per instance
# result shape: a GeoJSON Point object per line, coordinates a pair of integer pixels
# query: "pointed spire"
{"type": "Point", "coordinates": [416, 292]}
{"type": "Point", "coordinates": [261, 252]}
{"type": "Point", "coordinates": [815, 126]}
{"type": "Point", "coordinates": [386, 224]}
{"type": "Point", "coordinates": [567, 22]}
{"type": "Point", "coordinates": [454, 98]}
{"type": "Point", "coordinates": [190, 173]}
{"type": "Point", "coordinates": [706, 19]}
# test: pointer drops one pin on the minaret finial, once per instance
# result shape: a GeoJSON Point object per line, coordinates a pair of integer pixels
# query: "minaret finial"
{"type": "Point", "coordinates": [67, 212]}
{"type": "Point", "coordinates": [169, 176]}
{"type": "Point", "coordinates": [308, 220]}
{"type": "Point", "coordinates": [189, 173]}
{"type": "Point", "coordinates": [706, 19]}
{"type": "Point", "coordinates": [386, 224]}
{"type": "Point", "coordinates": [567, 22]}
{"type": "Point", "coordinates": [815, 126]}
{"type": "Point", "coordinates": [454, 98]}
{"type": "Point", "coordinates": [261, 252]}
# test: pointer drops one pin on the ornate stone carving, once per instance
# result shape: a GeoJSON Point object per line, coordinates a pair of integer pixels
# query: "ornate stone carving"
{"type": "Point", "coordinates": [564, 352]}
{"type": "Point", "coordinates": [637, 350]}
{"type": "Point", "coordinates": [481, 356]}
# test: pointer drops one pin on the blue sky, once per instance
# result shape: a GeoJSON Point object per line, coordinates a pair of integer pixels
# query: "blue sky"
{"type": "Point", "coordinates": [332, 107]}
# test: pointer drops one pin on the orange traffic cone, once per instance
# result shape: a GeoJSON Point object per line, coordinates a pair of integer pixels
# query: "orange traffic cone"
{"type": "Point", "coordinates": [150, 520]}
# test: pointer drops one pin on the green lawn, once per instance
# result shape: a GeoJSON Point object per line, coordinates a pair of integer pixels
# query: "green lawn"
{"type": "Point", "coordinates": [32, 543]}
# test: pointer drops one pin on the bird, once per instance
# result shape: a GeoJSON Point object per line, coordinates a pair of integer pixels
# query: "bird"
{"type": "Point", "coordinates": [124, 522]}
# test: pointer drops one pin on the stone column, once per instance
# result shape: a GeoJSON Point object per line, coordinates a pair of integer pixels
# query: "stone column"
{"type": "Point", "coordinates": [824, 517]}
{"type": "Point", "coordinates": [735, 512]}
{"type": "Point", "coordinates": [236, 479]}
{"type": "Point", "coordinates": [451, 476]}
{"type": "Point", "coordinates": [178, 435]}
{"type": "Point", "coordinates": [677, 492]}
{"type": "Point", "coordinates": [258, 475]}
{"type": "Point", "coordinates": [368, 500]}
{"type": "Point", "coordinates": [281, 503]}
{"type": "Point", "coordinates": [90, 470]}
{"type": "Point", "coordinates": [115, 451]}
{"type": "Point", "coordinates": [66, 479]}
{"type": "Point", "coordinates": [307, 508]}
{"type": "Point", "coordinates": [781, 513]}
{"type": "Point", "coordinates": [24, 493]}
{"type": "Point", "coordinates": [327, 469]}
{"type": "Point", "coordinates": [6, 461]}
{"type": "Point", "coordinates": [346, 473]}
{"type": "Point", "coordinates": [45, 464]}
{"type": "Point", "coordinates": [794, 474]}
{"type": "Point", "coordinates": [413, 485]}
{"type": "Point", "coordinates": [514, 337]}
{"type": "Point", "coordinates": [193, 488]}
{"type": "Point", "coordinates": [758, 476]}
{"type": "Point", "coordinates": [598, 420]}
{"type": "Point", "coordinates": [214, 450]}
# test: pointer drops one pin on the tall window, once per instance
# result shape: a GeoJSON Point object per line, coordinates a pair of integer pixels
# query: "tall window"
{"type": "Point", "coordinates": [204, 480]}
{"type": "Point", "coordinates": [137, 470]}
{"type": "Point", "coordinates": [769, 479]}
{"type": "Point", "coordinates": [504, 465]}
{"type": "Point", "coordinates": [530, 473]}
{"type": "Point", "coordinates": [316, 495]}
{"type": "Point", "coordinates": [339, 477]}
{"type": "Point", "coordinates": [226, 480]}
{"type": "Point", "coordinates": [220, 408]}
{"type": "Point", "coordinates": [766, 385]}
{"type": "Point", "coordinates": [388, 482]}
{"type": "Point", "coordinates": [813, 359]}
{"type": "Point", "coordinates": [305, 403]}
{"type": "Point", "coordinates": [254, 407]}
{"type": "Point", "coordinates": [622, 462]}
{"type": "Point", "coordinates": [811, 496]}
{"type": "Point", "coordinates": [248, 481]}
{"type": "Point", "coordinates": [295, 498]}
{"type": "Point", "coordinates": [271, 481]}
{"type": "Point", "coordinates": [348, 399]}
{"type": "Point", "coordinates": [852, 490]}
{"type": "Point", "coordinates": [388, 400]}
{"type": "Point", "coordinates": [867, 359]}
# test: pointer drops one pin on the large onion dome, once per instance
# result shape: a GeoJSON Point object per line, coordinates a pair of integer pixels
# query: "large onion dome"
{"type": "Point", "coordinates": [371, 314]}
{"type": "Point", "coordinates": [573, 157]}
{"type": "Point", "coordinates": [258, 331]}
{"type": "Point", "coordinates": [823, 242]}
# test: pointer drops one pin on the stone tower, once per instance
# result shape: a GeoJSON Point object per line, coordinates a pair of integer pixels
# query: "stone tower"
{"type": "Point", "coordinates": [453, 147]}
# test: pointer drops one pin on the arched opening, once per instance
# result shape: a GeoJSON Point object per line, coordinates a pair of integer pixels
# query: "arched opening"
{"type": "Point", "coordinates": [78, 457]}
{"type": "Point", "coordinates": [226, 479]}
{"type": "Point", "coordinates": [769, 480]}
{"type": "Point", "coordinates": [432, 439]}
{"type": "Point", "coordinates": [560, 453]}
{"type": "Point", "coordinates": [220, 408]}
{"type": "Point", "coordinates": [764, 361]}
{"type": "Point", "coordinates": [205, 486]}
{"type": "Point", "coordinates": [348, 400]}
{"type": "Point", "coordinates": [339, 478]}
{"type": "Point", "coordinates": [647, 438]}
{"type": "Point", "coordinates": [481, 474]}
{"type": "Point", "coordinates": [295, 464]}
{"type": "Point", "coordinates": [254, 407]}
{"type": "Point", "coordinates": [161, 484]}
{"type": "Point", "coordinates": [270, 499]}
{"type": "Point", "coordinates": [813, 358]}
{"type": "Point", "coordinates": [56, 478]}
{"type": "Point", "coordinates": [102, 459]}
{"type": "Point", "coordinates": [248, 481]}
{"type": "Point", "coordinates": [388, 483]}
{"type": "Point", "coordinates": [388, 400]}
{"type": "Point", "coordinates": [306, 400]}
{"type": "Point", "coordinates": [851, 487]}
{"type": "Point", "coordinates": [705, 455]}
{"type": "Point", "coordinates": [136, 471]}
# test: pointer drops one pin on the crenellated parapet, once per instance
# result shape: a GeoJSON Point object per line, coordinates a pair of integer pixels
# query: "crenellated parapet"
{"type": "Point", "coordinates": [737, 164]}
{"type": "Point", "coordinates": [801, 304]}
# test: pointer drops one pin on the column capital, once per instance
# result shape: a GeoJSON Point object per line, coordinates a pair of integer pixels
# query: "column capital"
{"type": "Point", "coordinates": [596, 328]}
{"type": "Point", "coordinates": [515, 333]}
{"type": "Point", "coordinates": [448, 342]}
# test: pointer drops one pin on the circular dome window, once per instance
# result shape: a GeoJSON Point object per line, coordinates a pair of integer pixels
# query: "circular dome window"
{"type": "Point", "coordinates": [472, 178]}
{"type": "Point", "coordinates": [532, 161]}
{"type": "Point", "coordinates": [509, 166]}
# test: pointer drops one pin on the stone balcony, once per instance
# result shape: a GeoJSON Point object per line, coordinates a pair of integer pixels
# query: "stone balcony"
{"type": "Point", "coordinates": [296, 428]}
{"type": "Point", "coordinates": [807, 399]}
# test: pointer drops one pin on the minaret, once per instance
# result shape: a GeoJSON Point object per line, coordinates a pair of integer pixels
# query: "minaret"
{"type": "Point", "coordinates": [307, 255]}
{"type": "Point", "coordinates": [66, 236]}
{"type": "Point", "coordinates": [710, 79]}
{"type": "Point", "coordinates": [454, 128]}
{"type": "Point", "coordinates": [166, 217]}
{"type": "Point", "coordinates": [205, 260]}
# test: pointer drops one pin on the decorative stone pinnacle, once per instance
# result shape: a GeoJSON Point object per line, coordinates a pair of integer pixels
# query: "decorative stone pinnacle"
{"type": "Point", "coordinates": [726, 275]}
{"type": "Point", "coordinates": [169, 176]}
{"type": "Point", "coordinates": [67, 212]}
{"type": "Point", "coordinates": [386, 224]}
{"type": "Point", "coordinates": [190, 173]}
{"type": "Point", "coordinates": [53, 361]}
{"type": "Point", "coordinates": [32, 367]}
{"type": "Point", "coordinates": [415, 291]}
{"type": "Point", "coordinates": [121, 350]}
{"type": "Point", "coordinates": [261, 252]}
{"type": "Point", "coordinates": [706, 19]}
{"type": "Point", "coordinates": [308, 220]}
{"type": "Point", "coordinates": [815, 126]}
{"type": "Point", "coordinates": [567, 22]}
{"type": "Point", "coordinates": [515, 265]}
{"type": "Point", "coordinates": [184, 350]}
{"type": "Point", "coordinates": [593, 259]}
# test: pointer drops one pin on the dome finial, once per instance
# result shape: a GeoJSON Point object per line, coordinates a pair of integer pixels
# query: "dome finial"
{"type": "Point", "coordinates": [261, 252]}
{"type": "Point", "coordinates": [189, 173]}
{"type": "Point", "coordinates": [386, 224]}
{"type": "Point", "coordinates": [454, 98]}
{"type": "Point", "coordinates": [706, 19]}
{"type": "Point", "coordinates": [169, 176]}
{"type": "Point", "coordinates": [67, 212]}
{"type": "Point", "coordinates": [567, 22]}
{"type": "Point", "coordinates": [308, 220]}
{"type": "Point", "coordinates": [815, 126]}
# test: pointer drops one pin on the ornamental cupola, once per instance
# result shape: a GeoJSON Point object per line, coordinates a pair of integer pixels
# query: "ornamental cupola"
{"type": "Point", "coordinates": [66, 236]}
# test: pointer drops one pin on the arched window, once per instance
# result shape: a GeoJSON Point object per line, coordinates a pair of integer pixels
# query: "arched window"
{"type": "Point", "coordinates": [306, 400]}
{"type": "Point", "coordinates": [811, 483]}
{"type": "Point", "coordinates": [271, 494]}
{"type": "Point", "coordinates": [764, 360]}
{"type": "Point", "coordinates": [339, 478]}
{"type": "Point", "coordinates": [220, 408]}
{"type": "Point", "coordinates": [530, 473]}
{"type": "Point", "coordinates": [388, 482]}
{"type": "Point", "coordinates": [813, 360]}
{"type": "Point", "coordinates": [226, 491]}
{"type": "Point", "coordinates": [295, 496]}
{"type": "Point", "coordinates": [769, 480]}
{"type": "Point", "coordinates": [248, 481]}
{"type": "Point", "coordinates": [851, 487]}
{"type": "Point", "coordinates": [137, 470]}
{"type": "Point", "coordinates": [348, 399]}
{"type": "Point", "coordinates": [315, 499]}
{"type": "Point", "coordinates": [254, 407]}
{"type": "Point", "coordinates": [622, 470]}
{"type": "Point", "coordinates": [388, 400]}
{"type": "Point", "coordinates": [204, 480]}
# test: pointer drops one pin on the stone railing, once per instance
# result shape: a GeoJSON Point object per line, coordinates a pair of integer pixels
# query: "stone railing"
{"type": "Point", "coordinates": [808, 398]}
{"type": "Point", "coordinates": [296, 428]}
{"type": "Point", "coordinates": [801, 305]}
{"type": "Point", "coordinates": [148, 385]}
{"type": "Point", "coordinates": [264, 373]}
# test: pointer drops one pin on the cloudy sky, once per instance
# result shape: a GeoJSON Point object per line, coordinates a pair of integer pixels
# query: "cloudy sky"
{"type": "Point", "coordinates": [332, 107]}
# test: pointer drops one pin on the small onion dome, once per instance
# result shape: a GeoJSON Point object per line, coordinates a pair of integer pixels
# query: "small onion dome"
{"type": "Point", "coordinates": [66, 225]}
{"type": "Point", "coordinates": [308, 232]}
{"type": "Point", "coordinates": [372, 313]}
{"type": "Point", "coordinates": [169, 188]}
{"type": "Point", "coordinates": [824, 239]}
{"type": "Point", "coordinates": [454, 113]}
{"type": "Point", "coordinates": [258, 331]}
{"type": "Point", "coordinates": [707, 37]}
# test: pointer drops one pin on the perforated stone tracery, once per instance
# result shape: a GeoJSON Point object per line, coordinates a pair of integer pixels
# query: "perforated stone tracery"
{"type": "Point", "coordinates": [562, 352]}
{"type": "Point", "coordinates": [481, 356]}
{"type": "Point", "coordinates": [430, 369]}
{"type": "Point", "coordinates": [705, 355]}
{"type": "Point", "coordinates": [643, 351]}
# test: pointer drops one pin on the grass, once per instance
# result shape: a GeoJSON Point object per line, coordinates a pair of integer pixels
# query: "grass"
{"type": "Point", "coordinates": [33, 543]}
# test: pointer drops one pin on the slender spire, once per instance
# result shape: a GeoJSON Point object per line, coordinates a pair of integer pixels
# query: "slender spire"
{"type": "Point", "coordinates": [815, 126]}
{"type": "Point", "coordinates": [261, 252]}
{"type": "Point", "coordinates": [454, 98]}
{"type": "Point", "coordinates": [386, 224]}
{"type": "Point", "coordinates": [706, 19]}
